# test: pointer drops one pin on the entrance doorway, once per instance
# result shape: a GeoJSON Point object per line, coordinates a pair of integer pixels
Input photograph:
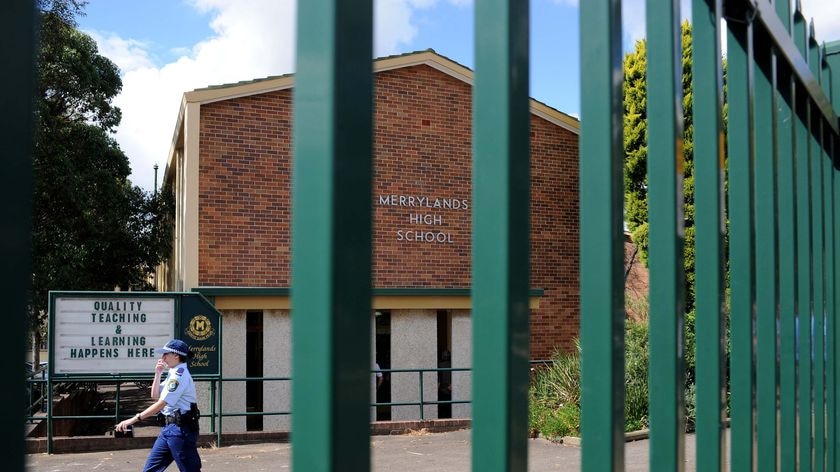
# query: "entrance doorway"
{"type": "Point", "coordinates": [254, 368]}
{"type": "Point", "coordinates": [383, 358]}
{"type": "Point", "coordinates": [444, 356]}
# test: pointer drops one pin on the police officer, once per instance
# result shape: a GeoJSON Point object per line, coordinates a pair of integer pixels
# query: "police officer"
{"type": "Point", "coordinates": [176, 398]}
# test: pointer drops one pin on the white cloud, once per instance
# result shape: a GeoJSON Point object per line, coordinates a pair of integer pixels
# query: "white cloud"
{"type": "Point", "coordinates": [252, 39]}
{"type": "Point", "coordinates": [255, 38]}
{"type": "Point", "coordinates": [393, 22]}
{"type": "Point", "coordinates": [825, 13]}
{"type": "Point", "coordinates": [392, 25]}
{"type": "Point", "coordinates": [127, 54]}
{"type": "Point", "coordinates": [826, 16]}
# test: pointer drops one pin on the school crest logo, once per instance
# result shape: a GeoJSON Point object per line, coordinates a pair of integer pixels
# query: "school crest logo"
{"type": "Point", "coordinates": [200, 328]}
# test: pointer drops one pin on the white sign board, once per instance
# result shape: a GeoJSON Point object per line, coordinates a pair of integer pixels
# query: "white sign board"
{"type": "Point", "coordinates": [110, 335]}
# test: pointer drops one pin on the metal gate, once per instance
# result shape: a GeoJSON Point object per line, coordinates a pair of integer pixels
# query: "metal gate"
{"type": "Point", "coordinates": [777, 150]}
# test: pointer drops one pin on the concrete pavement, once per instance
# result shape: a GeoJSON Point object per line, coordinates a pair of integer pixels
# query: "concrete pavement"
{"type": "Point", "coordinates": [444, 452]}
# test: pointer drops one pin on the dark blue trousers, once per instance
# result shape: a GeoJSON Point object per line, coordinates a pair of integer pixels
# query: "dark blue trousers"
{"type": "Point", "coordinates": [174, 443]}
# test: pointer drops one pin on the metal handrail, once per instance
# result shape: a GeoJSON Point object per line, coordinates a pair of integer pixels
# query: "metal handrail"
{"type": "Point", "coordinates": [213, 415]}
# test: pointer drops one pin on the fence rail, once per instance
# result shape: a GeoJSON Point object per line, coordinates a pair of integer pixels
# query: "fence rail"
{"type": "Point", "coordinates": [766, 206]}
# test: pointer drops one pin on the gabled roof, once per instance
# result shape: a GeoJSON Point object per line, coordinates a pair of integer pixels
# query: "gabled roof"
{"type": "Point", "coordinates": [428, 57]}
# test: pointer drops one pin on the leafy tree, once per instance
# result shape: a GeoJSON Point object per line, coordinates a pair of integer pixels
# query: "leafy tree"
{"type": "Point", "coordinates": [635, 150]}
{"type": "Point", "coordinates": [92, 230]}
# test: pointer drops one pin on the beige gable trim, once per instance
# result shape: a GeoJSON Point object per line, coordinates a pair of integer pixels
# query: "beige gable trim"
{"type": "Point", "coordinates": [211, 95]}
{"type": "Point", "coordinates": [428, 58]}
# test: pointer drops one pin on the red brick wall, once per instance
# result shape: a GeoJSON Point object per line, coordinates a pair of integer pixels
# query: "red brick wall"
{"type": "Point", "coordinates": [422, 151]}
{"type": "Point", "coordinates": [244, 182]}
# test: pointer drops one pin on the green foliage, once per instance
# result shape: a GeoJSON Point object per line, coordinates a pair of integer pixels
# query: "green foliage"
{"type": "Point", "coordinates": [555, 390]}
{"type": "Point", "coordinates": [556, 422]}
{"type": "Point", "coordinates": [635, 152]}
{"type": "Point", "coordinates": [92, 230]}
{"type": "Point", "coordinates": [636, 359]}
{"type": "Point", "coordinates": [555, 395]}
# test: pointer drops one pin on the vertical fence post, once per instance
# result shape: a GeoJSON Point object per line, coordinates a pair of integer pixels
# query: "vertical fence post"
{"type": "Point", "coordinates": [17, 86]}
{"type": "Point", "coordinates": [834, 442]}
{"type": "Point", "coordinates": [831, 294]}
{"type": "Point", "coordinates": [818, 279]}
{"type": "Point", "coordinates": [666, 166]}
{"type": "Point", "coordinates": [828, 228]}
{"type": "Point", "coordinates": [803, 243]}
{"type": "Point", "coordinates": [741, 237]}
{"type": "Point", "coordinates": [787, 255]}
{"type": "Point", "coordinates": [766, 297]}
{"type": "Point", "coordinates": [710, 324]}
{"type": "Point", "coordinates": [830, 392]}
{"type": "Point", "coordinates": [601, 236]}
{"type": "Point", "coordinates": [420, 377]}
{"type": "Point", "coordinates": [331, 236]}
{"type": "Point", "coordinates": [500, 251]}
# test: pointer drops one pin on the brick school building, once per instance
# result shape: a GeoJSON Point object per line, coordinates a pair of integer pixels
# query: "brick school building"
{"type": "Point", "coordinates": [230, 171]}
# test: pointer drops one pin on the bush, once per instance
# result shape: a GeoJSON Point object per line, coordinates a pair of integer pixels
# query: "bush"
{"type": "Point", "coordinates": [555, 391]}
{"type": "Point", "coordinates": [554, 396]}
{"type": "Point", "coordinates": [554, 423]}
{"type": "Point", "coordinates": [636, 357]}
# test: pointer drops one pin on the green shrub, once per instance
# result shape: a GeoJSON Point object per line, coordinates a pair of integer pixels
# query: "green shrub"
{"type": "Point", "coordinates": [555, 391]}
{"type": "Point", "coordinates": [636, 358]}
{"type": "Point", "coordinates": [554, 396]}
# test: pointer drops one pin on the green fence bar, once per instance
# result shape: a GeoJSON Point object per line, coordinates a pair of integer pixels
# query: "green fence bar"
{"type": "Point", "coordinates": [828, 232]}
{"type": "Point", "coordinates": [710, 324]}
{"type": "Point", "coordinates": [819, 297]}
{"type": "Point", "coordinates": [765, 245]}
{"type": "Point", "coordinates": [803, 212]}
{"type": "Point", "coordinates": [831, 86]}
{"type": "Point", "coordinates": [803, 248]}
{"type": "Point", "coordinates": [787, 261]}
{"type": "Point", "coordinates": [741, 236]}
{"type": "Point", "coordinates": [501, 187]}
{"type": "Point", "coordinates": [17, 86]}
{"type": "Point", "coordinates": [601, 236]}
{"type": "Point", "coordinates": [818, 281]}
{"type": "Point", "coordinates": [331, 228]}
{"type": "Point", "coordinates": [835, 326]}
{"type": "Point", "coordinates": [830, 340]}
{"type": "Point", "coordinates": [666, 235]}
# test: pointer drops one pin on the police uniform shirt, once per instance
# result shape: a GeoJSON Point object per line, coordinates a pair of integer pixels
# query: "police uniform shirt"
{"type": "Point", "coordinates": [178, 390]}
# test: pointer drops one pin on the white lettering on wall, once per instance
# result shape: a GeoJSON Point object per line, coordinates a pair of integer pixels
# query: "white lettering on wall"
{"type": "Point", "coordinates": [424, 218]}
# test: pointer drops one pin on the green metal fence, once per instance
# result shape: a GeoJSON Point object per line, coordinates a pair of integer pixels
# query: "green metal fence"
{"type": "Point", "coordinates": [777, 153]}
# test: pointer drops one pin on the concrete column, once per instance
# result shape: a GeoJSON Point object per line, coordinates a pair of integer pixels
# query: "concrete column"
{"type": "Point", "coordinates": [202, 398]}
{"type": "Point", "coordinates": [233, 365]}
{"type": "Point", "coordinates": [413, 346]}
{"type": "Point", "coordinates": [277, 362]}
{"type": "Point", "coordinates": [461, 358]}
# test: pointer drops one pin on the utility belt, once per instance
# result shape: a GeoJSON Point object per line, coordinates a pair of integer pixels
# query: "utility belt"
{"type": "Point", "coordinates": [188, 419]}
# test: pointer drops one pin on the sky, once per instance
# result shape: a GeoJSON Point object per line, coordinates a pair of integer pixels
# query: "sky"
{"type": "Point", "coordinates": [167, 47]}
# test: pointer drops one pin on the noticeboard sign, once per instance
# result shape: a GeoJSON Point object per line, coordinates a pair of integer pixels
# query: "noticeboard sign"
{"type": "Point", "coordinates": [116, 333]}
